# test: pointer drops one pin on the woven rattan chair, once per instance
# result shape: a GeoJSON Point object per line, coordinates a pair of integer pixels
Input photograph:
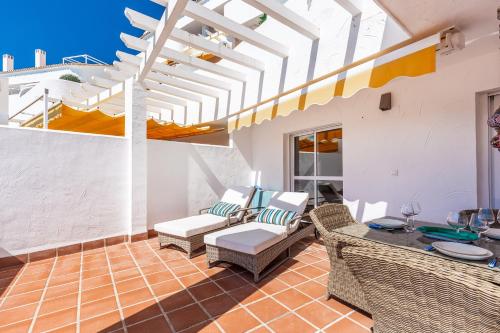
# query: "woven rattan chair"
{"type": "Point", "coordinates": [341, 282]}
{"type": "Point", "coordinates": [413, 292]}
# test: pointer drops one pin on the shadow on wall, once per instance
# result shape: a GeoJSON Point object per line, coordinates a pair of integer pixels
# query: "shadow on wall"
{"type": "Point", "coordinates": [368, 211]}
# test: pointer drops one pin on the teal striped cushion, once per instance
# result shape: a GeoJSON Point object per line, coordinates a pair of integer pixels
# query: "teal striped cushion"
{"type": "Point", "coordinates": [275, 216]}
{"type": "Point", "coordinates": [223, 208]}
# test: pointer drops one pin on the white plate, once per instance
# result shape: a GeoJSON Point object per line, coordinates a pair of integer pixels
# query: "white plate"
{"type": "Point", "coordinates": [462, 251]}
{"type": "Point", "coordinates": [390, 223]}
{"type": "Point", "coordinates": [493, 233]}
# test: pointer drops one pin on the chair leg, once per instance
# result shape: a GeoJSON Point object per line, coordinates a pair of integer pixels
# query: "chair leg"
{"type": "Point", "coordinates": [256, 277]}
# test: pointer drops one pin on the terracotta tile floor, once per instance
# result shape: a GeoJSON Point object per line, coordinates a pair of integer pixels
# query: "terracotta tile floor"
{"type": "Point", "coordinates": [139, 288]}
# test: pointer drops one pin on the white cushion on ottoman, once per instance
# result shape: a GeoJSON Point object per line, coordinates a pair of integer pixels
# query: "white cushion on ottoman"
{"type": "Point", "coordinates": [251, 237]}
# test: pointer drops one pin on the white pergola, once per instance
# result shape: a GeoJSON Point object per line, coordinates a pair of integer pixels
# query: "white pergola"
{"type": "Point", "coordinates": [175, 79]}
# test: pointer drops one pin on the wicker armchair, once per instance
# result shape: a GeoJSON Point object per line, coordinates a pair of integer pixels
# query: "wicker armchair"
{"type": "Point", "coordinates": [413, 292]}
{"type": "Point", "coordinates": [341, 282]}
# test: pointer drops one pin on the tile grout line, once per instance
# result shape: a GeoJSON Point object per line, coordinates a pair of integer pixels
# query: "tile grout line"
{"type": "Point", "coordinates": [39, 306]}
{"type": "Point", "coordinates": [120, 310]}
{"type": "Point", "coordinates": [79, 301]}
{"type": "Point", "coordinates": [151, 290]}
{"type": "Point", "coordinates": [186, 289]}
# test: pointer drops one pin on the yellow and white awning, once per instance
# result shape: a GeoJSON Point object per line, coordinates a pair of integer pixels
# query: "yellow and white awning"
{"type": "Point", "coordinates": [65, 118]}
{"type": "Point", "coordinates": [413, 60]}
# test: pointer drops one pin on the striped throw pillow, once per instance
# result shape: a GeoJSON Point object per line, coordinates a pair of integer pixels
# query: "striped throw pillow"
{"type": "Point", "coordinates": [275, 216]}
{"type": "Point", "coordinates": [223, 208]}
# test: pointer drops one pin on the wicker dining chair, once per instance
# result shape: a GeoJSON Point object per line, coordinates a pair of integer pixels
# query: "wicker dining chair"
{"type": "Point", "coordinates": [408, 292]}
{"type": "Point", "coordinates": [341, 282]}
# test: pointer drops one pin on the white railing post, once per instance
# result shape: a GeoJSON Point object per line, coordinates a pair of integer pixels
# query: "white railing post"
{"type": "Point", "coordinates": [46, 108]}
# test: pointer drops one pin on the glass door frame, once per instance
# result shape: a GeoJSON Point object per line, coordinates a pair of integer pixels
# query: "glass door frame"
{"type": "Point", "coordinates": [314, 178]}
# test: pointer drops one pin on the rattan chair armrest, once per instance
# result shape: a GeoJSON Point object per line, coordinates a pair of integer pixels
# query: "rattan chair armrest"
{"type": "Point", "coordinates": [247, 218]}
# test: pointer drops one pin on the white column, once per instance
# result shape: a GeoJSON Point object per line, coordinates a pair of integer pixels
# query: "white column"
{"type": "Point", "coordinates": [135, 133]}
{"type": "Point", "coordinates": [4, 101]}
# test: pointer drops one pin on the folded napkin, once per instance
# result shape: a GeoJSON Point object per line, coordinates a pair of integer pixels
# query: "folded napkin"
{"type": "Point", "coordinates": [447, 233]}
{"type": "Point", "coordinates": [378, 226]}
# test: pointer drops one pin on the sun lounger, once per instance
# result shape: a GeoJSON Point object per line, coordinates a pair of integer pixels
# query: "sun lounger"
{"type": "Point", "coordinates": [257, 243]}
{"type": "Point", "coordinates": [187, 233]}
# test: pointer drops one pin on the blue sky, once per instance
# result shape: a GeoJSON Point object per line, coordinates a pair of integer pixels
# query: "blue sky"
{"type": "Point", "coordinates": [67, 27]}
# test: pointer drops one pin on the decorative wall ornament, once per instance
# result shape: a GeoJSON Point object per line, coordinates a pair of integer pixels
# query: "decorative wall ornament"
{"type": "Point", "coordinates": [494, 122]}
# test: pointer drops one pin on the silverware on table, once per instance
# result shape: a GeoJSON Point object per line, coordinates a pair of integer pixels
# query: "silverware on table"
{"type": "Point", "coordinates": [493, 262]}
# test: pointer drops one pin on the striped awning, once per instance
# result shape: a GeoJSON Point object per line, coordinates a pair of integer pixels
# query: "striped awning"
{"type": "Point", "coordinates": [413, 60]}
{"type": "Point", "coordinates": [65, 118]}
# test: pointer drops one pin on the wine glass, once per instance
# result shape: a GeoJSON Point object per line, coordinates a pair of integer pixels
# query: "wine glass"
{"type": "Point", "coordinates": [457, 221]}
{"type": "Point", "coordinates": [477, 224]}
{"type": "Point", "coordinates": [487, 215]}
{"type": "Point", "coordinates": [409, 211]}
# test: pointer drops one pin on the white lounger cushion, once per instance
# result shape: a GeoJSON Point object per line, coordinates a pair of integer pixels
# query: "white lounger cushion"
{"type": "Point", "coordinates": [192, 225]}
{"type": "Point", "coordinates": [198, 224]}
{"type": "Point", "coordinates": [251, 237]}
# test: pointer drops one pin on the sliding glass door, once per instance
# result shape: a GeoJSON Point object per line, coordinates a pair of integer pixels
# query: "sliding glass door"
{"type": "Point", "coordinates": [316, 166]}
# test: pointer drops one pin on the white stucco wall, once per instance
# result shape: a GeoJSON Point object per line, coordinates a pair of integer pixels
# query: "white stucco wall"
{"type": "Point", "coordinates": [59, 188]}
{"type": "Point", "coordinates": [428, 137]}
{"type": "Point", "coordinates": [185, 177]}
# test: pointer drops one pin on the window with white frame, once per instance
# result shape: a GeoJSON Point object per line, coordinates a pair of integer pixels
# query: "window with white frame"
{"type": "Point", "coordinates": [316, 165]}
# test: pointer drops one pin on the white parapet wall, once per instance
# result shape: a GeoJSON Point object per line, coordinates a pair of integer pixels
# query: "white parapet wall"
{"type": "Point", "coordinates": [59, 188]}
{"type": "Point", "coordinates": [185, 177]}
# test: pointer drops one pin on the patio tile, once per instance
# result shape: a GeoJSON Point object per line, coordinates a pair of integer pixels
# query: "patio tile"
{"type": "Point", "coordinates": [71, 328]}
{"type": "Point", "coordinates": [133, 297]}
{"type": "Point", "coordinates": [55, 320]}
{"type": "Point", "coordinates": [27, 287]}
{"type": "Point", "coordinates": [64, 289]}
{"type": "Point", "coordinates": [292, 298]}
{"type": "Point", "coordinates": [95, 282]}
{"type": "Point", "coordinates": [149, 269]}
{"type": "Point", "coordinates": [158, 277]}
{"type": "Point", "coordinates": [167, 287]}
{"type": "Point", "coordinates": [102, 270]}
{"type": "Point", "coordinates": [104, 323]}
{"type": "Point", "coordinates": [141, 311]}
{"type": "Point", "coordinates": [291, 278]}
{"type": "Point", "coordinates": [158, 324]}
{"type": "Point", "coordinates": [206, 290]}
{"type": "Point", "coordinates": [218, 305]}
{"type": "Point", "coordinates": [267, 309]}
{"type": "Point", "coordinates": [17, 314]}
{"type": "Point", "coordinates": [22, 299]}
{"type": "Point", "coordinates": [336, 305]}
{"type": "Point", "coordinates": [205, 327]}
{"type": "Point", "coordinates": [59, 303]}
{"type": "Point", "coordinates": [231, 282]}
{"type": "Point", "coordinates": [361, 319]}
{"type": "Point", "coordinates": [237, 321]}
{"type": "Point", "coordinates": [175, 301]}
{"type": "Point", "coordinates": [129, 285]}
{"type": "Point", "coordinates": [291, 323]}
{"type": "Point", "coordinates": [22, 326]}
{"type": "Point", "coordinates": [126, 274]}
{"type": "Point", "coordinates": [312, 289]}
{"type": "Point", "coordinates": [63, 279]}
{"type": "Point", "coordinates": [271, 286]}
{"type": "Point", "coordinates": [97, 293]}
{"type": "Point", "coordinates": [194, 279]}
{"type": "Point", "coordinates": [98, 307]}
{"type": "Point", "coordinates": [346, 326]}
{"type": "Point", "coordinates": [185, 270]}
{"type": "Point", "coordinates": [247, 294]}
{"type": "Point", "coordinates": [318, 314]}
{"type": "Point", "coordinates": [186, 317]}
{"type": "Point", "coordinates": [310, 271]}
